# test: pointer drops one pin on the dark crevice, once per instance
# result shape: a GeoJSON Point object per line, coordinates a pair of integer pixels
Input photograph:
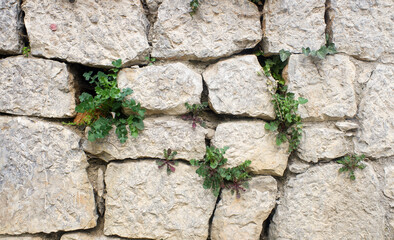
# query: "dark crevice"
{"type": "Point", "coordinates": [213, 214]}
{"type": "Point", "coordinates": [266, 225]}
{"type": "Point", "coordinates": [328, 19]}
{"type": "Point", "coordinates": [22, 27]}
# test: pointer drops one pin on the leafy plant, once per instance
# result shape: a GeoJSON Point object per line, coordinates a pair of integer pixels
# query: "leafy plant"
{"type": "Point", "coordinates": [194, 4]}
{"type": "Point", "coordinates": [194, 114]}
{"type": "Point", "coordinates": [150, 60]}
{"type": "Point", "coordinates": [273, 67]}
{"type": "Point", "coordinates": [351, 163]}
{"type": "Point", "coordinates": [328, 48]}
{"type": "Point", "coordinates": [236, 178]}
{"type": "Point", "coordinates": [104, 110]}
{"type": "Point", "coordinates": [26, 51]}
{"type": "Point", "coordinates": [168, 160]}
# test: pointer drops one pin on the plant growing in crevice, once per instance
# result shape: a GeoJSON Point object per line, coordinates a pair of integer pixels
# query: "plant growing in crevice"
{"type": "Point", "coordinates": [150, 60]}
{"type": "Point", "coordinates": [26, 51]}
{"type": "Point", "coordinates": [328, 48]}
{"type": "Point", "coordinates": [350, 164]}
{"type": "Point", "coordinates": [194, 4]}
{"type": "Point", "coordinates": [194, 114]}
{"type": "Point", "coordinates": [168, 160]}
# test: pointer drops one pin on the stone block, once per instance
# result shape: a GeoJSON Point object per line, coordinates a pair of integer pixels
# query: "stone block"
{"type": "Point", "coordinates": [10, 34]}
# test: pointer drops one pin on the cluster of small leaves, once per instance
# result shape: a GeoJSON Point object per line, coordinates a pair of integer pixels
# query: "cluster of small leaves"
{"type": "Point", "coordinates": [104, 110]}
{"type": "Point", "coordinates": [26, 51]}
{"type": "Point", "coordinates": [194, 4]}
{"type": "Point", "coordinates": [194, 114]}
{"type": "Point", "coordinates": [351, 163]}
{"type": "Point", "coordinates": [217, 177]}
{"type": "Point", "coordinates": [168, 161]}
{"type": "Point", "coordinates": [275, 65]}
{"type": "Point", "coordinates": [150, 60]}
{"type": "Point", "coordinates": [328, 48]}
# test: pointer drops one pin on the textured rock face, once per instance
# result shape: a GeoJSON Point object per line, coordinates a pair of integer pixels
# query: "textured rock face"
{"type": "Point", "coordinates": [43, 182]}
{"type": "Point", "coordinates": [160, 133]}
{"type": "Point", "coordinates": [244, 217]}
{"type": "Point", "coordinates": [321, 142]}
{"type": "Point", "coordinates": [163, 89]}
{"type": "Point", "coordinates": [327, 84]}
{"type": "Point", "coordinates": [219, 28]}
{"type": "Point", "coordinates": [35, 87]}
{"type": "Point", "coordinates": [389, 181]}
{"type": "Point", "coordinates": [235, 88]}
{"type": "Point", "coordinates": [156, 205]}
{"type": "Point", "coordinates": [248, 140]}
{"type": "Point", "coordinates": [330, 206]}
{"type": "Point", "coordinates": [88, 32]}
{"type": "Point", "coordinates": [10, 38]}
{"type": "Point", "coordinates": [291, 25]}
{"type": "Point", "coordinates": [376, 136]}
{"type": "Point", "coordinates": [25, 237]}
{"type": "Point", "coordinates": [370, 25]}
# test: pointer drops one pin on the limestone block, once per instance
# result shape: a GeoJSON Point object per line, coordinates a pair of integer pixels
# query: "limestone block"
{"type": "Point", "coordinates": [389, 181]}
{"type": "Point", "coordinates": [153, 5]}
{"type": "Point", "coordinates": [235, 88]}
{"type": "Point", "coordinates": [376, 135]}
{"type": "Point", "coordinates": [364, 28]}
{"type": "Point", "coordinates": [297, 166]}
{"type": "Point", "coordinates": [320, 142]}
{"type": "Point", "coordinates": [248, 140]}
{"type": "Point", "coordinates": [327, 84]}
{"type": "Point", "coordinates": [44, 186]}
{"type": "Point", "coordinates": [145, 202]}
{"type": "Point", "coordinates": [92, 234]}
{"type": "Point", "coordinates": [218, 29]}
{"type": "Point", "coordinates": [324, 204]}
{"type": "Point", "coordinates": [291, 25]}
{"type": "Point", "coordinates": [244, 217]}
{"type": "Point", "coordinates": [24, 237]}
{"type": "Point", "coordinates": [89, 32]}
{"type": "Point", "coordinates": [160, 133]}
{"type": "Point", "coordinates": [35, 87]}
{"type": "Point", "coordinates": [163, 89]}
{"type": "Point", "coordinates": [10, 38]}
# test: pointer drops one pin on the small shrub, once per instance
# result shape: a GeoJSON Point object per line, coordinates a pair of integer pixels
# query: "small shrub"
{"type": "Point", "coordinates": [26, 51]}
{"type": "Point", "coordinates": [328, 48]}
{"type": "Point", "coordinates": [168, 160]}
{"type": "Point", "coordinates": [194, 114]}
{"type": "Point", "coordinates": [350, 164]}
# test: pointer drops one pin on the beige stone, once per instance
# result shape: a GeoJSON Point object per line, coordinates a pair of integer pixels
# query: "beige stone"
{"type": "Point", "coordinates": [236, 88]}
{"type": "Point", "coordinates": [160, 133]}
{"type": "Point", "coordinates": [35, 87]}
{"type": "Point", "coordinates": [324, 204]}
{"type": "Point", "coordinates": [297, 166]}
{"type": "Point", "coordinates": [218, 29]}
{"type": "Point", "coordinates": [10, 34]}
{"type": "Point", "coordinates": [24, 237]}
{"type": "Point", "coordinates": [163, 89]}
{"type": "Point", "coordinates": [89, 32]}
{"type": "Point", "coordinates": [327, 84]}
{"type": "Point", "coordinates": [389, 181]}
{"type": "Point", "coordinates": [143, 201]}
{"type": "Point", "coordinates": [292, 25]}
{"type": "Point", "coordinates": [44, 186]}
{"type": "Point", "coordinates": [244, 217]}
{"type": "Point", "coordinates": [248, 140]}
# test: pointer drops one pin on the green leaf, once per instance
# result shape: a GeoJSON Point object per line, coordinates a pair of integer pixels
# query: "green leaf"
{"type": "Point", "coordinates": [306, 51]}
{"type": "Point", "coordinates": [117, 63]}
{"type": "Point", "coordinates": [284, 55]}
{"type": "Point", "coordinates": [302, 100]}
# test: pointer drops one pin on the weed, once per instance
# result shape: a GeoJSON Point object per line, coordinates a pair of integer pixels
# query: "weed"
{"type": "Point", "coordinates": [26, 51]}
{"type": "Point", "coordinates": [351, 163]}
{"type": "Point", "coordinates": [328, 48]}
{"type": "Point", "coordinates": [194, 4]}
{"type": "Point", "coordinates": [150, 60]}
{"type": "Point", "coordinates": [194, 114]}
{"type": "Point", "coordinates": [168, 161]}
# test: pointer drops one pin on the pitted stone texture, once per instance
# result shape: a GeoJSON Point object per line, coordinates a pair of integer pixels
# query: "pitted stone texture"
{"type": "Point", "coordinates": [291, 25]}
{"type": "Point", "coordinates": [153, 5]}
{"type": "Point", "coordinates": [163, 89]}
{"type": "Point", "coordinates": [235, 88]}
{"type": "Point", "coordinates": [244, 217]}
{"type": "Point", "coordinates": [89, 32]}
{"type": "Point", "coordinates": [87, 236]}
{"type": "Point", "coordinates": [36, 87]}
{"type": "Point", "coordinates": [320, 142]}
{"type": "Point", "coordinates": [160, 133]}
{"type": "Point", "coordinates": [218, 29]}
{"type": "Point", "coordinates": [43, 182]}
{"type": "Point", "coordinates": [248, 140]}
{"type": "Point", "coordinates": [364, 28]}
{"type": "Point", "coordinates": [328, 85]}
{"type": "Point", "coordinates": [24, 237]}
{"type": "Point", "coordinates": [389, 181]}
{"type": "Point", "coordinates": [324, 204]}
{"type": "Point", "coordinates": [145, 202]}
{"type": "Point", "coordinates": [10, 35]}
{"type": "Point", "coordinates": [376, 135]}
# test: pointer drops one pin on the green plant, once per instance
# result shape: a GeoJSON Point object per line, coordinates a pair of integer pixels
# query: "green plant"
{"type": "Point", "coordinates": [273, 67]}
{"type": "Point", "coordinates": [104, 110]}
{"type": "Point", "coordinates": [26, 51]}
{"type": "Point", "coordinates": [194, 4]}
{"type": "Point", "coordinates": [194, 114]}
{"type": "Point", "coordinates": [328, 48]}
{"type": "Point", "coordinates": [351, 163]}
{"type": "Point", "coordinates": [168, 160]}
{"type": "Point", "coordinates": [150, 60]}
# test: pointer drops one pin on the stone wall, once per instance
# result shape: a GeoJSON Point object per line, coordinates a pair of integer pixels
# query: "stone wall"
{"type": "Point", "coordinates": [55, 184]}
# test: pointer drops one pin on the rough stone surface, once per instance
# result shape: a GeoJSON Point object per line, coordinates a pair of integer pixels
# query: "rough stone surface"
{"type": "Point", "coordinates": [297, 166]}
{"type": "Point", "coordinates": [219, 28]}
{"type": "Point", "coordinates": [370, 25]}
{"type": "Point", "coordinates": [327, 84]}
{"type": "Point", "coordinates": [36, 87]}
{"type": "Point", "coordinates": [320, 142]}
{"type": "Point", "coordinates": [244, 217]}
{"type": "Point", "coordinates": [145, 202]}
{"type": "Point", "coordinates": [376, 135]}
{"type": "Point", "coordinates": [10, 38]}
{"type": "Point", "coordinates": [324, 204]}
{"type": "Point", "coordinates": [153, 5]}
{"type": "Point", "coordinates": [291, 25]}
{"type": "Point", "coordinates": [25, 237]}
{"type": "Point", "coordinates": [389, 181]}
{"type": "Point", "coordinates": [43, 182]}
{"type": "Point", "coordinates": [160, 133]}
{"type": "Point", "coordinates": [347, 126]}
{"type": "Point", "coordinates": [89, 32]}
{"type": "Point", "coordinates": [248, 140]}
{"type": "Point", "coordinates": [92, 234]}
{"type": "Point", "coordinates": [235, 88]}
{"type": "Point", "coordinates": [163, 89]}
